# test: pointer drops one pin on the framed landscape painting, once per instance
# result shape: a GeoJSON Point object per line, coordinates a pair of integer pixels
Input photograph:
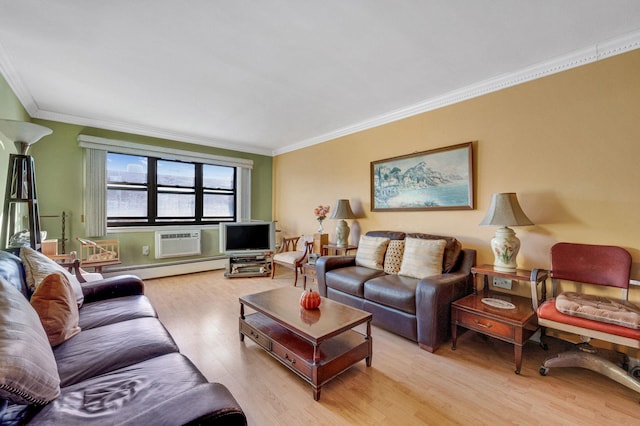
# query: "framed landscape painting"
{"type": "Point", "coordinates": [438, 179]}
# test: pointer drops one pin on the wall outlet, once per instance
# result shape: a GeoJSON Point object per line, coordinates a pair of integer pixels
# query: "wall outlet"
{"type": "Point", "coordinates": [502, 283]}
{"type": "Point", "coordinates": [145, 250]}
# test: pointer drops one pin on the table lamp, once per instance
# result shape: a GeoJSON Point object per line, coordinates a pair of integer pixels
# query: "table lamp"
{"type": "Point", "coordinates": [505, 211]}
{"type": "Point", "coordinates": [342, 211]}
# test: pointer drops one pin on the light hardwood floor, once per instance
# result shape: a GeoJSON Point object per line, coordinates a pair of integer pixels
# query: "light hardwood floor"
{"type": "Point", "coordinates": [473, 385]}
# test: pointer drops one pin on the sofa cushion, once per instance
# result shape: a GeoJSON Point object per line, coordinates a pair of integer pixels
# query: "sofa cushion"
{"type": "Point", "coordinates": [57, 308]}
{"type": "Point", "coordinates": [451, 252]}
{"type": "Point", "coordinates": [351, 279]}
{"type": "Point", "coordinates": [396, 291]}
{"type": "Point", "coordinates": [164, 390]}
{"type": "Point", "coordinates": [393, 257]}
{"type": "Point", "coordinates": [28, 372]}
{"type": "Point", "coordinates": [371, 251]}
{"type": "Point", "coordinates": [37, 267]}
{"type": "Point", "coordinates": [109, 311]}
{"type": "Point", "coordinates": [422, 258]}
{"type": "Point", "coordinates": [288, 257]}
{"type": "Point", "coordinates": [103, 349]}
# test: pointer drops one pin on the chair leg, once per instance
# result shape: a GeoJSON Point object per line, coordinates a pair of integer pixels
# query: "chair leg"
{"type": "Point", "coordinates": [543, 338]}
{"type": "Point", "coordinates": [273, 270]}
{"type": "Point", "coordinates": [592, 362]}
{"type": "Point", "coordinates": [295, 280]}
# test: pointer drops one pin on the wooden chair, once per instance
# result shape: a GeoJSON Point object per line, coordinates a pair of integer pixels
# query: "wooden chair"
{"type": "Point", "coordinates": [613, 320]}
{"type": "Point", "coordinates": [293, 255]}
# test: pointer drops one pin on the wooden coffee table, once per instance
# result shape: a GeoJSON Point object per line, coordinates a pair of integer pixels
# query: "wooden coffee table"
{"type": "Point", "coordinates": [316, 344]}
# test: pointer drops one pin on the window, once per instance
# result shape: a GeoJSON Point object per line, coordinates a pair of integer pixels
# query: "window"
{"type": "Point", "coordinates": [145, 190]}
{"type": "Point", "coordinates": [222, 185]}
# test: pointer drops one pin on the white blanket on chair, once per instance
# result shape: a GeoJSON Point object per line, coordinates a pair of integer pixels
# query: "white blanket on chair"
{"type": "Point", "coordinates": [598, 308]}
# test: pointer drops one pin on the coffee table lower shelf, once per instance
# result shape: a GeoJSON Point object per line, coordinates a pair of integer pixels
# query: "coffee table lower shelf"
{"type": "Point", "coordinates": [331, 357]}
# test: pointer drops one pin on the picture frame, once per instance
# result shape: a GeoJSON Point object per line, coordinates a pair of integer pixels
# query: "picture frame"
{"type": "Point", "coordinates": [437, 179]}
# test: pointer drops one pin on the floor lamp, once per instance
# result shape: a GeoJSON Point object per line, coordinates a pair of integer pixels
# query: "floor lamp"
{"type": "Point", "coordinates": [21, 216]}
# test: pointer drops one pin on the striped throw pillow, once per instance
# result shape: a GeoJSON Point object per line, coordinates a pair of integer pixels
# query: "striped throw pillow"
{"type": "Point", "coordinates": [371, 251]}
{"type": "Point", "coordinates": [422, 258]}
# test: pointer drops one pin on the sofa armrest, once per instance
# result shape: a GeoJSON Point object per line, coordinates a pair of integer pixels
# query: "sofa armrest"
{"type": "Point", "coordinates": [433, 301]}
{"type": "Point", "coordinates": [107, 288]}
{"type": "Point", "coordinates": [325, 264]}
{"type": "Point", "coordinates": [433, 306]}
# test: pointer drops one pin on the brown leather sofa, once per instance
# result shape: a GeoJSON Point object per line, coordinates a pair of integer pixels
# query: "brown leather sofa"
{"type": "Point", "coordinates": [123, 367]}
{"type": "Point", "coordinates": [418, 309]}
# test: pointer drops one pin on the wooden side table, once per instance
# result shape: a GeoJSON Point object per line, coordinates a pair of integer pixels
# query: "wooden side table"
{"type": "Point", "coordinates": [319, 240]}
{"type": "Point", "coordinates": [535, 277]}
{"type": "Point", "coordinates": [506, 317]}
{"type": "Point", "coordinates": [337, 249]}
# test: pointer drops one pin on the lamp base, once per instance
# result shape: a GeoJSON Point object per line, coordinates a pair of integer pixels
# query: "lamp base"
{"type": "Point", "coordinates": [342, 234]}
{"type": "Point", "coordinates": [505, 246]}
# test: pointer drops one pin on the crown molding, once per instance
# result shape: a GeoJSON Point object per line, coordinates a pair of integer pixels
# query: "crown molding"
{"type": "Point", "coordinates": [575, 59]}
{"type": "Point", "coordinates": [15, 82]}
{"type": "Point", "coordinates": [150, 131]}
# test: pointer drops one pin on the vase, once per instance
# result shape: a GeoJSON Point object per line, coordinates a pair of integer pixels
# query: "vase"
{"type": "Point", "coordinates": [320, 229]}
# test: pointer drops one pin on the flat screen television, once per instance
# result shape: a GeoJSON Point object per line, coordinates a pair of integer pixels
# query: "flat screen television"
{"type": "Point", "coordinates": [247, 238]}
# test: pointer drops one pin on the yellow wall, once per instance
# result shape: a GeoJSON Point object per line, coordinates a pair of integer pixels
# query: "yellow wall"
{"type": "Point", "coordinates": [568, 144]}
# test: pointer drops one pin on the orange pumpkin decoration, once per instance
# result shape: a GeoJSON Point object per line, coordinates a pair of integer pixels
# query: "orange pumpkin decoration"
{"type": "Point", "coordinates": [310, 299]}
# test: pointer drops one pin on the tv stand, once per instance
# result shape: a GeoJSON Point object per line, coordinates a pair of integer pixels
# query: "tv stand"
{"type": "Point", "coordinates": [249, 266]}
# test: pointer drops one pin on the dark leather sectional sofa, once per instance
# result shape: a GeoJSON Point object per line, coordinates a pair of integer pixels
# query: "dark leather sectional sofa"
{"type": "Point", "coordinates": [122, 368]}
{"type": "Point", "coordinates": [418, 309]}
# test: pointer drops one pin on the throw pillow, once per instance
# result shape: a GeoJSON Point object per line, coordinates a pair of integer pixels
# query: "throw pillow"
{"type": "Point", "coordinates": [451, 251]}
{"type": "Point", "coordinates": [422, 258]}
{"type": "Point", "coordinates": [28, 371]}
{"type": "Point", "coordinates": [57, 308]}
{"type": "Point", "coordinates": [371, 251]}
{"type": "Point", "coordinates": [37, 267]}
{"type": "Point", "coordinates": [393, 257]}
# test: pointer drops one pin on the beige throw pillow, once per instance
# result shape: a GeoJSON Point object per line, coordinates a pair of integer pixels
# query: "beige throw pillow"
{"type": "Point", "coordinates": [422, 258]}
{"type": "Point", "coordinates": [393, 257]}
{"type": "Point", "coordinates": [28, 370]}
{"type": "Point", "coordinates": [37, 267]}
{"type": "Point", "coordinates": [371, 251]}
{"type": "Point", "coordinates": [57, 308]}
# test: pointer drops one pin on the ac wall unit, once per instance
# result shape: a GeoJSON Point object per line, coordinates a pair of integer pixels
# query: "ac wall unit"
{"type": "Point", "coordinates": [177, 243]}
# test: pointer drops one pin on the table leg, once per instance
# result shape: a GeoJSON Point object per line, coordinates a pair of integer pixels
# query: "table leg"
{"type": "Point", "coordinates": [316, 393]}
{"type": "Point", "coordinates": [517, 348]}
{"type": "Point", "coordinates": [370, 340]}
{"type": "Point", "coordinates": [241, 317]}
{"type": "Point", "coordinates": [518, 355]}
{"type": "Point", "coordinates": [454, 334]}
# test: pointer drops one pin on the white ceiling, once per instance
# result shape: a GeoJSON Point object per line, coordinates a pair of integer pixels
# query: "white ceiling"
{"type": "Point", "coordinates": [271, 76]}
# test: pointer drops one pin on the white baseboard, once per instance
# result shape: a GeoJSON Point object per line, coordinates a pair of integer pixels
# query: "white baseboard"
{"type": "Point", "coordinates": [158, 271]}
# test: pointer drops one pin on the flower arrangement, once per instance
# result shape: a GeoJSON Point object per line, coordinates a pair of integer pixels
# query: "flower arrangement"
{"type": "Point", "coordinates": [321, 213]}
